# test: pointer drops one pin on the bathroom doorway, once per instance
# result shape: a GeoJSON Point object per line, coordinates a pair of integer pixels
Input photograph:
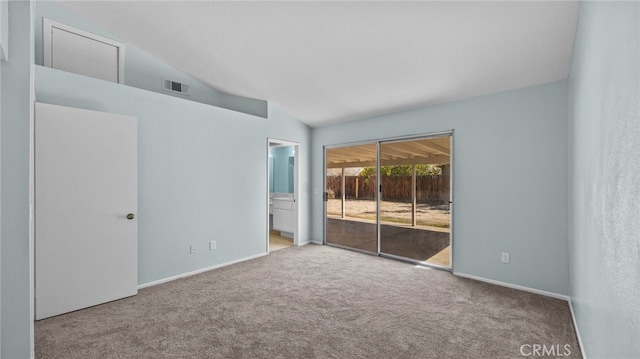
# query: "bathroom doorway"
{"type": "Point", "coordinates": [282, 194]}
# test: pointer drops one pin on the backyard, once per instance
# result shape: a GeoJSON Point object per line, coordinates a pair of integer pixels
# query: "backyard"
{"type": "Point", "coordinates": [430, 215]}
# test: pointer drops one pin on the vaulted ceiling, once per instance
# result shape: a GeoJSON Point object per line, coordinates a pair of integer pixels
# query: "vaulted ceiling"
{"type": "Point", "coordinates": [329, 62]}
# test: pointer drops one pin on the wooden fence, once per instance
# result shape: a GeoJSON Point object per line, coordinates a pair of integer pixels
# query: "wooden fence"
{"type": "Point", "coordinates": [430, 189]}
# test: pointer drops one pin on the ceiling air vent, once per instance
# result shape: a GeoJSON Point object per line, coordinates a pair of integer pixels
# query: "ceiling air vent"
{"type": "Point", "coordinates": [175, 87]}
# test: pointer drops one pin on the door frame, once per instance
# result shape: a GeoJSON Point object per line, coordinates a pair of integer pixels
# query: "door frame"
{"type": "Point", "coordinates": [296, 188]}
{"type": "Point", "coordinates": [378, 142]}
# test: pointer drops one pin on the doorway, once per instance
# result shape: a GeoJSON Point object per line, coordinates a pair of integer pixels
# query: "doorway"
{"type": "Point", "coordinates": [392, 198]}
{"type": "Point", "coordinates": [282, 194]}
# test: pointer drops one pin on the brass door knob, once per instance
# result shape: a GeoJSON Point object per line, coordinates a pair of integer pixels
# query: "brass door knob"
{"type": "Point", "coordinates": [131, 216]}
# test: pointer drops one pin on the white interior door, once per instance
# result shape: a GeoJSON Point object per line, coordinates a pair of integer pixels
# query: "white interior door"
{"type": "Point", "coordinates": [85, 189]}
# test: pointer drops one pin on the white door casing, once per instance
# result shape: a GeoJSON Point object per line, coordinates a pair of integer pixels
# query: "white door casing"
{"type": "Point", "coordinates": [85, 186]}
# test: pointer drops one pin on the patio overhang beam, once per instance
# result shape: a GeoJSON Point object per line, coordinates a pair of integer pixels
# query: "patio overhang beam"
{"type": "Point", "coordinates": [433, 160]}
{"type": "Point", "coordinates": [422, 147]}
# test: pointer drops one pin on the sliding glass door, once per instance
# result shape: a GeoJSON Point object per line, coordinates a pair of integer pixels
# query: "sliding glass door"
{"type": "Point", "coordinates": [350, 194]}
{"type": "Point", "coordinates": [406, 214]}
{"type": "Point", "coordinates": [415, 216]}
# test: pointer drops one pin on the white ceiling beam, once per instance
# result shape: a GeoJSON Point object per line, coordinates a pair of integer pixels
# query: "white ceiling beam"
{"type": "Point", "coordinates": [433, 160]}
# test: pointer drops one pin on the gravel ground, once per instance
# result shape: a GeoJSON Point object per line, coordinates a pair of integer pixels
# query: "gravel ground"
{"type": "Point", "coordinates": [429, 215]}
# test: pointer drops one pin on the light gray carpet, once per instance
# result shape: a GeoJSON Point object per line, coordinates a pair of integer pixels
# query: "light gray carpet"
{"type": "Point", "coordinates": [313, 302]}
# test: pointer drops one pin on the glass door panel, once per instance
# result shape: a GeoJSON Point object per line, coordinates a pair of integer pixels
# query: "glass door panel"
{"type": "Point", "coordinates": [415, 217]}
{"type": "Point", "coordinates": [350, 197]}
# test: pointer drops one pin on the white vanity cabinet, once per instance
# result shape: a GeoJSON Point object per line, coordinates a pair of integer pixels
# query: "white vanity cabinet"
{"type": "Point", "coordinates": [283, 215]}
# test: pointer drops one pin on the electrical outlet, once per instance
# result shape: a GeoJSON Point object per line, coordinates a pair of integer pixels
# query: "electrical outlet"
{"type": "Point", "coordinates": [192, 249]}
{"type": "Point", "coordinates": [505, 257]}
{"type": "Point", "coordinates": [212, 245]}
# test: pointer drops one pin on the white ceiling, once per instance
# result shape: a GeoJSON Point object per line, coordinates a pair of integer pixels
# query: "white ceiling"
{"type": "Point", "coordinates": [329, 62]}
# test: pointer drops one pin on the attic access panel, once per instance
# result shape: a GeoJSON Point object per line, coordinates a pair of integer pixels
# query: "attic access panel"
{"type": "Point", "coordinates": [73, 50]}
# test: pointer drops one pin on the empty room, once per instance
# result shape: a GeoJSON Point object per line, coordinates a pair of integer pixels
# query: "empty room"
{"type": "Point", "coordinates": [319, 179]}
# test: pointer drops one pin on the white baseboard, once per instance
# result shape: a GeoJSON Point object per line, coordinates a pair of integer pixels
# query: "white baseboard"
{"type": "Point", "coordinates": [188, 274]}
{"type": "Point", "coordinates": [514, 286]}
{"type": "Point", "coordinates": [575, 326]}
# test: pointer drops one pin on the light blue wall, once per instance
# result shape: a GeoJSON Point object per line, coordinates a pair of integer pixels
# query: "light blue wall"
{"type": "Point", "coordinates": [141, 69]}
{"type": "Point", "coordinates": [281, 168]}
{"type": "Point", "coordinates": [510, 188]}
{"type": "Point", "coordinates": [14, 193]}
{"type": "Point", "coordinates": [604, 182]}
{"type": "Point", "coordinates": [510, 179]}
{"type": "Point", "coordinates": [202, 171]}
